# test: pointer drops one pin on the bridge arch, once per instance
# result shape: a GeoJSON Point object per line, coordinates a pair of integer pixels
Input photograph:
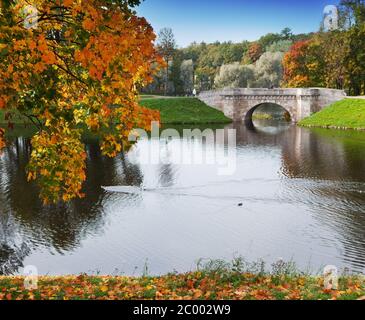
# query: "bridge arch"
{"type": "Point", "coordinates": [248, 116]}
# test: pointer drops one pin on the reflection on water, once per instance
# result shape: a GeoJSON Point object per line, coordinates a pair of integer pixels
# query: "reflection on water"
{"type": "Point", "coordinates": [303, 195]}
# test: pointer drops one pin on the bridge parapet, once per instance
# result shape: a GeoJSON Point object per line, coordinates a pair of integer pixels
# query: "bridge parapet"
{"type": "Point", "coordinates": [240, 103]}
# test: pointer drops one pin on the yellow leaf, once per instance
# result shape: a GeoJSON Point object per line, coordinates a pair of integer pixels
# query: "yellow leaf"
{"type": "Point", "coordinates": [104, 288]}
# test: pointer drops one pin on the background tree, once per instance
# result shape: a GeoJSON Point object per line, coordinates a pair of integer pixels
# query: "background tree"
{"type": "Point", "coordinates": [268, 39]}
{"type": "Point", "coordinates": [254, 53]}
{"type": "Point", "coordinates": [334, 48]}
{"type": "Point", "coordinates": [287, 34]}
{"type": "Point", "coordinates": [166, 46]}
{"type": "Point", "coordinates": [280, 46]}
{"type": "Point", "coordinates": [355, 61]}
{"type": "Point", "coordinates": [193, 52]}
{"type": "Point", "coordinates": [234, 76]}
{"type": "Point", "coordinates": [80, 68]}
{"type": "Point", "coordinates": [296, 71]}
{"type": "Point", "coordinates": [352, 13]}
{"type": "Point", "coordinates": [269, 70]}
{"type": "Point", "coordinates": [187, 76]}
{"type": "Point", "coordinates": [176, 86]}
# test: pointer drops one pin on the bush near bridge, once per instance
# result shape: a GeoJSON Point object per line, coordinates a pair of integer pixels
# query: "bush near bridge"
{"type": "Point", "coordinates": [345, 114]}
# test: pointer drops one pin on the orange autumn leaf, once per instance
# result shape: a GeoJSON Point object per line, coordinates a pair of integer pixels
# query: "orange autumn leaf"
{"type": "Point", "coordinates": [49, 58]}
{"type": "Point", "coordinates": [67, 3]}
{"type": "Point", "coordinates": [2, 103]}
{"type": "Point", "coordinates": [2, 139]}
{"type": "Point", "coordinates": [88, 24]}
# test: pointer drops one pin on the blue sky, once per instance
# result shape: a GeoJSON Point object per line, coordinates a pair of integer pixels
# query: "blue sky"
{"type": "Point", "coordinates": [235, 20]}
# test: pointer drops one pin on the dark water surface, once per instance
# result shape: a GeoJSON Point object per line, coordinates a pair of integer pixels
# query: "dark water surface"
{"type": "Point", "coordinates": [303, 196]}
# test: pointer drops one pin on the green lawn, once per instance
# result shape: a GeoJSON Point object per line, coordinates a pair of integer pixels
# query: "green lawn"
{"type": "Point", "coordinates": [345, 114]}
{"type": "Point", "coordinates": [185, 111]}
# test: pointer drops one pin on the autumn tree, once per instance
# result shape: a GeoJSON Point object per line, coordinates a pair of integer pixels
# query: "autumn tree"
{"type": "Point", "coordinates": [355, 60]}
{"type": "Point", "coordinates": [353, 13]}
{"type": "Point", "coordinates": [254, 53]}
{"type": "Point", "coordinates": [303, 65]}
{"type": "Point", "coordinates": [77, 68]}
{"type": "Point", "coordinates": [334, 49]}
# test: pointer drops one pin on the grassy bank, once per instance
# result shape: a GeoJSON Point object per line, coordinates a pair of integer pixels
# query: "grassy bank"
{"type": "Point", "coordinates": [185, 111]}
{"type": "Point", "coordinates": [173, 111]}
{"type": "Point", "coordinates": [191, 286]}
{"type": "Point", "coordinates": [345, 114]}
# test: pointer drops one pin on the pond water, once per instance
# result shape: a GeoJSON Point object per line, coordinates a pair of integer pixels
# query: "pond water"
{"type": "Point", "coordinates": [302, 193]}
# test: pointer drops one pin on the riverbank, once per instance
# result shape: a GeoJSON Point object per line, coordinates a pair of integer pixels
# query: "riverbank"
{"type": "Point", "coordinates": [190, 286]}
{"type": "Point", "coordinates": [345, 114]}
{"type": "Point", "coordinates": [185, 111]}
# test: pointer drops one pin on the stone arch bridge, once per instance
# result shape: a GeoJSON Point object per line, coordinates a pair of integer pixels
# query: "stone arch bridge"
{"type": "Point", "coordinates": [240, 104]}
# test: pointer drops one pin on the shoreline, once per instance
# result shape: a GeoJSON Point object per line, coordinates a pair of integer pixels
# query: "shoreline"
{"type": "Point", "coordinates": [329, 127]}
{"type": "Point", "coordinates": [189, 286]}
